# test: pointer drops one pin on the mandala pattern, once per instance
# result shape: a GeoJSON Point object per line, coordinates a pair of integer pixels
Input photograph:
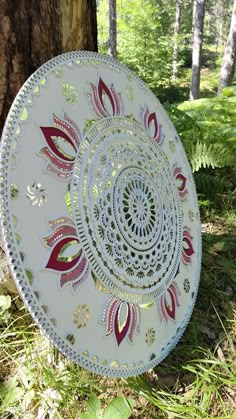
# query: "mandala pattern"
{"type": "Point", "coordinates": [122, 240]}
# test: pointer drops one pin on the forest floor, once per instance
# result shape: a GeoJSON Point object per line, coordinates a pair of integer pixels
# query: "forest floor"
{"type": "Point", "coordinates": [197, 380]}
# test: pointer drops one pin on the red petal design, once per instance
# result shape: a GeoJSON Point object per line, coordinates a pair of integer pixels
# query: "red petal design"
{"type": "Point", "coordinates": [61, 166]}
{"type": "Point", "coordinates": [102, 87]}
{"type": "Point", "coordinates": [171, 310]}
{"type": "Point", "coordinates": [120, 335]}
{"type": "Point", "coordinates": [183, 180]}
{"type": "Point", "coordinates": [68, 127]}
{"type": "Point", "coordinates": [76, 273]}
{"type": "Point", "coordinates": [110, 315]}
{"type": "Point", "coordinates": [60, 221]}
{"type": "Point", "coordinates": [58, 233]}
{"type": "Point", "coordinates": [75, 128]}
{"type": "Point", "coordinates": [152, 117]}
{"type": "Point", "coordinates": [57, 265]}
{"type": "Point", "coordinates": [81, 279]}
{"type": "Point", "coordinates": [50, 132]}
{"type": "Point", "coordinates": [189, 251]}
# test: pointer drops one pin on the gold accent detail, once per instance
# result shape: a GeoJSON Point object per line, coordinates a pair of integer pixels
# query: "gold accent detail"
{"type": "Point", "coordinates": [67, 199]}
{"type": "Point", "coordinates": [150, 336]}
{"type": "Point", "coordinates": [94, 358]}
{"type": "Point", "coordinates": [85, 353]}
{"type": "Point", "coordinates": [172, 146]}
{"type": "Point", "coordinates": [69, 92]}
{"type": "Point", "coordinates": [71, 339]}
{"type": "Point", "coordinates": [62, 258]}
{"type": "Point", "coordinates": [114, 364]}
{"type": "Point", "coordinates": [24, 115]}
{"type": "Point", "coordinates": [43, 82]}
{"type": "Point", "coordinates": [58, 72]}
{"type": "Point", "coordinates": [98, 284]}
{"type": "Point", "coordinates": [147, 306]}
{"type": "Point", "coordinates": [129, 92]}
{"type": "Point", "coordinates": [191, 215]}
{"type": "Point", "coordinates": [81, 316]}
{"type": "Point", "coordinates": [14, 190]}
{"type": "Point", "coordinates": [36, 90]}
{"type": "Point", "coordinates": [29, 275]}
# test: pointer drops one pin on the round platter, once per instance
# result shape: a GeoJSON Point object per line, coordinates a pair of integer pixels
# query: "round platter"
{"type": "Point", "coordinates": [99, 214]}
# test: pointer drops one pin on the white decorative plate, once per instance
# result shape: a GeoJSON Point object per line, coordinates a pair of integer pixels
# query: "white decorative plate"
{"type": "Point", "coordinates": [99, 214]}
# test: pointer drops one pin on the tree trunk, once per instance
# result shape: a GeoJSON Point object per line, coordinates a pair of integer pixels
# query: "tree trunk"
{"type": "Point", "coordinates": [229, 60]}
{"type": "Point", "coordinates": [33, 31]}
{"type": "Point", "coordinates": [176, 34]}
{"type": "Point", "coordinates": [197, 48]}
{"type": "Point", "coordinates": [112, 28]}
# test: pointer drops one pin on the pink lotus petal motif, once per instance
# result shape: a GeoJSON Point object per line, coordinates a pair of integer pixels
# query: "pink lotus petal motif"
{"type": "Point", "coordinates": [105, 101]}
{"type": "Point", "coordinates": [168, 303]}
{"type": "Point", "coordinates": [66, 255]}
{"type": "Point", "coordinates": [62, 144]}
{"type": "Point", "coordinates": [150, 123]}
{"type": "Point", "coordinates": [187, 248]}
{"type": "Point", "coordinates": [121, 319]}
{"type": "Point", "coordinates": [181, 181]}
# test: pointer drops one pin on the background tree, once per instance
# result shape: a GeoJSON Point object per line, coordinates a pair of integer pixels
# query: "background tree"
{"type": "Point", "coordinates": [33, 31]}
{"type": "Point", "coordinates": [229, 60]}
{"type": "Point", "coordinates": [198, 25]}
{"type": "Point", "coordinates": [175, 45]}
{"type": "Point", "coordinates": [112, 28]}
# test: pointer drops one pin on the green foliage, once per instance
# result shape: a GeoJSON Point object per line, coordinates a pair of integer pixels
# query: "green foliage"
{"type": "Point", "coordinates": [207, 128]}
{"type": "Point", "coordinates": [118, 408]}
{"type": "Point", "coordinates": [145, 31]}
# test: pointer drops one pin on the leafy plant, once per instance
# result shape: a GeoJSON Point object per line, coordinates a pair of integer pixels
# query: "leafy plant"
{"type": "Point", "coordinates": [118, 408]}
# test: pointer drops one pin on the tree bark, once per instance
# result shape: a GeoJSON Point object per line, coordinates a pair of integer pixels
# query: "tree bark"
{"type": "Point", "coordinates": [112, 28]}
{"type": "Point", "coordinates": [229, 60]}
{"type": "Point", "coordinates": [197, 48]}
{"type": "Point", "coordinates": [176, 34]}
{"type": "Point", "coordinates": [33, 31]}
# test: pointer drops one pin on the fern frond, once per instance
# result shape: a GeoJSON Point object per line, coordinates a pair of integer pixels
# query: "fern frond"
{"type": "Point", "coordinates": [203, 155]}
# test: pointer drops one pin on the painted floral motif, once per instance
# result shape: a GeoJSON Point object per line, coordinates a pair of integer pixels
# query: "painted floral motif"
{"type": "Point", "coordinates": [186, 285]}
{"type": "Point", "coordinates": [67, 255]}
{"type": "Point", "coordinates": [168, 302]}
{"type": "Point", "coordinates": [63, 140]}
{"type": "Point", "coordinates": [187, 249]}
{"type": "Point", "coordinates": [105, 101]}
{"type": "Point", "coordinates": [121, 319]}
{"type": "Point", "coordinates": [81, 316]}
{"type": "Point", "coordinates": [191, 215]}
{"type": "Point", "coordinates": [150, 123]}
{"type": "Point", "coordinates": [36, 194]}
{"type": "Point", "coordinates": [150, 336]}
{"type": "Point", "coordinates": [181, 181]}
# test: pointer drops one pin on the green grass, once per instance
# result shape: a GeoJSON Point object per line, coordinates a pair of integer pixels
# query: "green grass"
{"type": "Point", "coordinates": [197, 380]}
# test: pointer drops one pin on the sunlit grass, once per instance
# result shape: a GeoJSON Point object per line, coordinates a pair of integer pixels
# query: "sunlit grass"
{"type": "Point", "coordinates": [197, 380]}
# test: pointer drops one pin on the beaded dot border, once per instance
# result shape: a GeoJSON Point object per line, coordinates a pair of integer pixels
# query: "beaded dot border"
{"type": "Point", "coordinates": [16, 265]}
